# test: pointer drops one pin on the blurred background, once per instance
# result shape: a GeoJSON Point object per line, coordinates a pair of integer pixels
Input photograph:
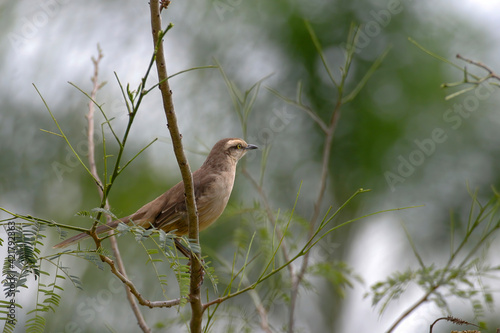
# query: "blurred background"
{"type": "Point", "coordinates": [50, 43]}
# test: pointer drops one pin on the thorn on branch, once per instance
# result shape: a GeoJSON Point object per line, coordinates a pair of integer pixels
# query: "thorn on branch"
{"type": "Point", "coordinates": [164, 4]}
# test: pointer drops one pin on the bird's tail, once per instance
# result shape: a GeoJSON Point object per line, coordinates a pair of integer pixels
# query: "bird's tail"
{"type": "Point", "coordinates": [75, 239]}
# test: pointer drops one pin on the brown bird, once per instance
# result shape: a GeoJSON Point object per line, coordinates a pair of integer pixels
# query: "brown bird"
{"type": "Point", "coordinates": [213, 183]}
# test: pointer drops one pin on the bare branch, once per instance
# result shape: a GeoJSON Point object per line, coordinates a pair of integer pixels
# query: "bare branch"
{"type": "Point", "coordinates": [491, 73]}
{"type": "Point", "coordinates": [93, 169]}
{"type": "Point", "coordinates": [134, 291]}
{"type": "Point", "coordinates": [168, 105]}
{"type": "Point", "coordinates": [325, 164]}
{"type": "Point", "coordinates": [454, 320]}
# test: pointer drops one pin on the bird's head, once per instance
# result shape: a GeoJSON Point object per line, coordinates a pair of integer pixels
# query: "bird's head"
{"type": "Point", "coordinates": [233, 148]}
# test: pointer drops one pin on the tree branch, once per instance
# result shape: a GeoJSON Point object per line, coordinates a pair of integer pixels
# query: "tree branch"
{"type": "Point", "coordinates": [491, 73]}
{"type": "Point", "coordinates": [168, 105]}
{"type": "Point", "coordinates": [327, 147]}
{"type": "Point", "coordinates": [93, 169]}
{"type": "Point", "coordinates": [325, 165]}
{"type": "Point", "coordinates": [422, 300]}
{"type": "Point", "coordinates": [134, 291]}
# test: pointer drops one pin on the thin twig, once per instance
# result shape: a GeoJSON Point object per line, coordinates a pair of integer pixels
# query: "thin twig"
{"type": "Point", "coordinates": [128, 283]}
{"type": "Point", "coordinates": [325, 165]}
{"type": "Point", "coordinates": [305, 108]}
{"type": "Point", "coordinates": [44, 221]}
{"type": "Point", "coordinates": [491, 73]}
{"type": "Point", "coordinates": [135, 292]}
{"type": "Point", "coordinates": [327, 147]}
{"type": "Point", "coordinates": [422, 300]}
{"type": "Point", "coordinates": [90, 119]}
{"type": "Point", "coordinates": [306, 248]}
{"type": "Point", "coordinates": [454, 320]}
{"type": "Point", "coordinates": [264, 320]}
{"type": "Point", "coordinates": [443, 280]}
{"type": "Point", "coordinates": [270, 216]}
{"type": "Point", "coordinates": [93, 169]}
{"type": "Point", "coordinates": [168, 106]}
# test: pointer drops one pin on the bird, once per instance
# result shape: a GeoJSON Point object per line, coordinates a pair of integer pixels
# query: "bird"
{"type": "Point", "coordinates": [213, 184]}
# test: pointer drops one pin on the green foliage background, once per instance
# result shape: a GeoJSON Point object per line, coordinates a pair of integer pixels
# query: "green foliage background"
{"type": "Point", "coordinates": [401, 103]}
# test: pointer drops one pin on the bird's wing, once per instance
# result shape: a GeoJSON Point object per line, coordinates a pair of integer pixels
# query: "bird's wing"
{"type": "Point", "coordinates": [173, 215]}
{"type": "Point", "coordinates": [173, 211]}
{"type": "Point", "coordinates": [172, 219]}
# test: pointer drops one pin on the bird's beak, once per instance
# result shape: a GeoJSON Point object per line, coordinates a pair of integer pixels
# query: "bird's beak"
{"type": "Point", "coordinates": [252, 147]}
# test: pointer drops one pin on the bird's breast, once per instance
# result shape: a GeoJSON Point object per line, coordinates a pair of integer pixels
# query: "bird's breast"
{"type": "Point", "coordinates": [213, 200]}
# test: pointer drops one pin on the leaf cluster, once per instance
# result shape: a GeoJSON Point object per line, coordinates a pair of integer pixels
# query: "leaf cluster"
{"type": "Point", "coordinates": [25, 251]}
{"type": "Point", "coordinates": [27, 262]}
{"type": "Point", "coordinates": [464, 274]}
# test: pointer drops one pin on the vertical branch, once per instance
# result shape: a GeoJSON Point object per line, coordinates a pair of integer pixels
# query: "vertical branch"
{"type": "Point", "coordinates": [93, 169]}
{"type": "Point", "coordinates": [168, 105]}
{"type": "Point", "coordinates": [90, 117]}
{"type": "Point", "coordinates": [327, 147]}
{"type": "Point", "coordinates": [261, 310]}
{"type": "Point", "coordinates": [329, 130]}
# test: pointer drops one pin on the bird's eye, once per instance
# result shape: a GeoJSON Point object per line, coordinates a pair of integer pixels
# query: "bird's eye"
{"type": "Point", "coordinates": [238, 146]}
